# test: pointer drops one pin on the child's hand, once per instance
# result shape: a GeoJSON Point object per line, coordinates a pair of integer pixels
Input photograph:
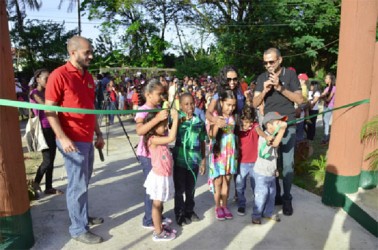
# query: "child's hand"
{"type": "Point", "coordinates": [269, 140]}
{"type": "Point", "coordinates": [162, 115]}
{"type": "Point", "coordinates": [202, 169]}
{"type": "Point", "coordinates": [283, 124]}
{"type": "Point", "coordinates": [174, 114]}
{"type": "Point", "coordinates": [221, 122]}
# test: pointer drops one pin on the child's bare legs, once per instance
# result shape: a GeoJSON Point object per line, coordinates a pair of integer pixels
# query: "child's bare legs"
{"type": "Point", "coordinates": [225, 188]}
{"type": "Point", "coordinates": [218, 190]}
{"type": "Point", "coordinates": [157, 207]}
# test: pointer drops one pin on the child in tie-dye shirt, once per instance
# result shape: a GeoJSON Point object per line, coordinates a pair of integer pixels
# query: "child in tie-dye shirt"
{"type": "Point", "coordinates": [222, 159]}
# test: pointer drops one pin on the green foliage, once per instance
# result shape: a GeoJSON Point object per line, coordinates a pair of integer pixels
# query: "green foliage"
{"type": "Point", "coordinates": [134, 32]}
{"type": "Point", "coordinates": [318, 168]}
{"type": "Point", "coordinates": [305, 32]}
{"type": "Point", "coordinates": [192, 67]}
{"type": "Point", "coordinates": [46, 44]}
{"type": "Point", "coordinates": [369, 134]}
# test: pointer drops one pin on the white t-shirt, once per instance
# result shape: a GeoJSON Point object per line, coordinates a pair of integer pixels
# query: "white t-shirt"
{"type": "Point", "coordinates": [121, 97]}
{"type": "Point", "coordinates": [310, 98]}
{"type": "Point", "coordinates": [266, 166]}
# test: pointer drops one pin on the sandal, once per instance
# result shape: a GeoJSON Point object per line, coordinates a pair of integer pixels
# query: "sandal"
{"type": "Point", "coordinates": [53, 191]}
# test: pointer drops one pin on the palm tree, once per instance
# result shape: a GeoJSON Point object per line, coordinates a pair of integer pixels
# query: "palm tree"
{"type": "Point", "coordinates": [369, 133]}
{"type": "Point", "coordinates": [70, 8]}
{"type": "Point", "coordinates": [20, 7]}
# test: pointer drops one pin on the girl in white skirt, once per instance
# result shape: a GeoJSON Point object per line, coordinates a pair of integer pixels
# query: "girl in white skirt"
{"type": "Point", "coordinates": [159, 182]}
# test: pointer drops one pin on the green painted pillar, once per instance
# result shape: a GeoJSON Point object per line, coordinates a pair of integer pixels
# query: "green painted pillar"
{"type": "Point", "coordinates": [369, 178]}
{"type": "Point", "coordinates": [354, 83]}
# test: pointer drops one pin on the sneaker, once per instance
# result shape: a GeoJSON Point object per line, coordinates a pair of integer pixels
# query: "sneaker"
{"type": "Point", "coordinates": [287, 208]}
{"type": "Point", "coordinates": [180, 219]}
{"type": "Point", "coordinates": [166, 221]}
{"type": "Point", "coordinates": [219, 214]}
{"type": "Point", "coordinates": [256, 221]}
{"type": "Point", "coordinates": [241, 211]}
{"type": "Point", "coordinates": [169, 229]}
{"type": "Point", "coordinates": [89, 238]}
{"type": "Point", "coordinates": [95, 220]}
{"type": "Point", "coordinates": [163, 236]}
{"type": "Point", "coordinates": [227, 213]}
{"type": "Point", "coordinates": [274, 217]}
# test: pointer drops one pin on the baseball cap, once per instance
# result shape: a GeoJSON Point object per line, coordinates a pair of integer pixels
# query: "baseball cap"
{"type": "Point", "coordinates": [273, 116]}
{"type": "Point", "coordinates": [303, 76]}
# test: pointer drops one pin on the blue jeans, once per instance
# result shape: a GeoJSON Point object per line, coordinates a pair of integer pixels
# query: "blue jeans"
{"type": "Point", "coordinates": [265, 194]}
{"type": "Point", "coordinates": [111, 106]}
{"type": "Point", "coordinates": [285, 162]}
{"type": "Point", "coordinates": [245, 170]}
{"type": "Point", "coordinates": [145, 163]}
{"type": "Point", "coordinates": [327, 117]}
{"type": "Point", "coordinates": [79, 167]}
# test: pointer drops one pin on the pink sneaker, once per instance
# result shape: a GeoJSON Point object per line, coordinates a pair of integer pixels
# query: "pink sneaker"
{"type": "Point", "coordinates": [227, 213]}
{"type": "Point", "coordinates": [219, 214]}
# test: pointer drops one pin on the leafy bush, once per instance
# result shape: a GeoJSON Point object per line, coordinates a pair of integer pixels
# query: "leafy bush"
{"type": "Point", "coordinates": [369, 134]}
{"type": "Point", "coordinates": [318, 168]}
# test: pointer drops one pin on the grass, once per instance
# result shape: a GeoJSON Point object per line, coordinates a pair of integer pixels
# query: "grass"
{"type": "Point", "coordinates": [32, 161]}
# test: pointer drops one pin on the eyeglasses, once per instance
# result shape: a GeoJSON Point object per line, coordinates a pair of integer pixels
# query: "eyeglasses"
{"type": "Point", "coordinates": [269, 62]}
{"type": "Point", "coordinates": [232, 79]}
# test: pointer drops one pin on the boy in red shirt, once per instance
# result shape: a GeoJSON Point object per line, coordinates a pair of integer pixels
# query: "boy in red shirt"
{"type": "Point", "coordinates": [248, 135]}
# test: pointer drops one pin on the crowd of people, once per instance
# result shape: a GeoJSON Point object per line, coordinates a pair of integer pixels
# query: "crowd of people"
{"type": "Point", "coordinates": [220, 125]}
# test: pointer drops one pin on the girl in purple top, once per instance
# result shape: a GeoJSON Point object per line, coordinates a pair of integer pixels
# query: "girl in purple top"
{"type": "Point", "coordinates": [37, 95]}
{"type": "Point", "coordinates": [328, 97]}
{"type": "Point", "coordinates": [152, 93]}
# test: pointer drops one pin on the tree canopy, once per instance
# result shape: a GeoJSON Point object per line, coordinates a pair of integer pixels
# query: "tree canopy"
{"type": "Point", "coordinates": [134, 33]}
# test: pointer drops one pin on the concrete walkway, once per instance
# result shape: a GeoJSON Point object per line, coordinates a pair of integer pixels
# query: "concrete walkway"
{"type": "Point", "coordinates": [116, 193]}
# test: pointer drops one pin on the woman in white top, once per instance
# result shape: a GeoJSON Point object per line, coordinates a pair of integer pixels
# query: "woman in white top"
{"type": "Point", "coordinates": [313, 98]}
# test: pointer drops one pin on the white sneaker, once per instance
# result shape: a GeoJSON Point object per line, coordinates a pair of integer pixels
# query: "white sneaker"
{"type": "Point", "coordinates": [163, 236]}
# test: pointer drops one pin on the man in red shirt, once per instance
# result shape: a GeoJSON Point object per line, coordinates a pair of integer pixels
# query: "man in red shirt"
{"type": "Point", "coordinates": [72, 86]}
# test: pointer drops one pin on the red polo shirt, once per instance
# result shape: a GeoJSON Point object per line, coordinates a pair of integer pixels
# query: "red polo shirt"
{"type": "Point", "coordinates": [67, 87]}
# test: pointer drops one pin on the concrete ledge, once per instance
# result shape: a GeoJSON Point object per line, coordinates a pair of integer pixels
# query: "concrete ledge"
{"type": "Point", "coordinates": [363, 207]}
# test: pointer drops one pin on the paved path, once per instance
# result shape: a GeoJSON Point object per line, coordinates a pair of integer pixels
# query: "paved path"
{"type": "Point", "coordinates": [116, 193]}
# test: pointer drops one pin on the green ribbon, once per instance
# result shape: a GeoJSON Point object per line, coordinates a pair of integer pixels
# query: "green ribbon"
{"type": "Point", "coordinates": [18, 104]}
{"type": "Point", "coordinates": [264, 144]}
{"type": "Point", "coordinates": [185, 140]}
{"type": "Point", "coordinates": [341, 107]}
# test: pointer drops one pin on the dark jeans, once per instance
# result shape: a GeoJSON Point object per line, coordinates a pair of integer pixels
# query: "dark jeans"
{"type": "Point", "coordinates": [311, 128]}
{"type": "Point", "coordinates": [145, 163]}
{"type": "Point", "coordinates": [285, 162]}
{"type": "Point", "coordinates": [48, 155]}
{"type": "Point", "coordinates": [185, 182]}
